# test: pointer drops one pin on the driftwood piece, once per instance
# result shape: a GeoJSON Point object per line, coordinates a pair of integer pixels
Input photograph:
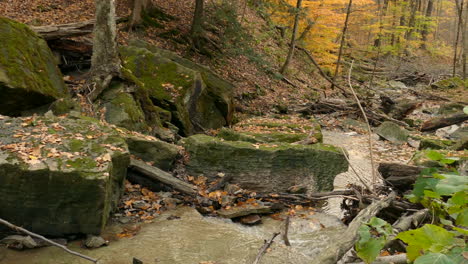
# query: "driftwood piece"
{"type": "Point", "coordinates": [65, 30]}
{"type": "Point", "coordinates": [440, 122]}
{"type": "Point", "coordinates": [264, 248]}
{"type": "Point", "coordinates": [401, 176]}
{"type": "Point", "coordinates": [286, 231]}
{"type": "Point", "coordinates": [82, 28]}
{"type": "Point", "coordinates": [22, 230]}
{"type": "Point", "coordinates": [392, 259]}
{"type": "Point", "coordinates": [162, 176]}
{"type": "Point", "coordinates": [335, 251]}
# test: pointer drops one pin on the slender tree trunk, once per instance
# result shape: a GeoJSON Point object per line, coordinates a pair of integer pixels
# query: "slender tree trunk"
{"type": "Point", "coordinates": [465, 44]}
{"type": "Point", "coordinates": [438, 11]}
{"type": "Point", "coordinates": [343, 39]}
{"type": "Point", "coordinates": [306, 31]}
{"type": "Point", "coordinates": [105, 61]}
{"type": "Point", "coordinates": [293, 37]}
{"type": "Point", "coordinates": [139, 7]}
{"type": "Point", "coordinates": [426, 27]}
{"type": "Point", "coordinates": [197, 24]}
{"type": "Point", "coordinates": [460, 7]}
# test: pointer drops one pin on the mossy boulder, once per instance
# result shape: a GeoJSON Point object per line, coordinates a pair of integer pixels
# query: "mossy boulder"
{"type": "Point", "coordinates": [392, 132]}
{"type": "Point", "coordinates": [163, 155]}
{"type": "Point", "coordinates": [29, 76]}
{"type": "Point", "coordinates": [450, 108]}
{"type": "Point", "coordinates": [450, 83]}
{"type": "Point", "coordinates": [60, 175]}
{"type": "Point", "coordinates": [267, 167]}
{"type": "Point", "coordinates": [231, 135]}
{"type": "Point", "coordinates": [196, 98]}
{"type": "Point", "coordinates": [428, 143]}
{"type": "Point", "coordinates": [269, 130]}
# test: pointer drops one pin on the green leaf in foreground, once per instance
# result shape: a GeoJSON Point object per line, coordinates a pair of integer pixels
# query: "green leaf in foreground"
{"type": "Point", "coordinates": [434, 258]}
{"type": "Point", "coordinates": [372, 238]}
{"type": "Point", "coordinates": [429, 238]}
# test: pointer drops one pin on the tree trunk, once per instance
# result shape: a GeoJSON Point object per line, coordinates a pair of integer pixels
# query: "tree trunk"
{"type": "Point", "coordinates": [343, 39]}
{"type": "Point", "coordinates": [293, 38]}
{"type": "Point", "coordinates": [465, 45]}
{"type": "Point", "coordinates": [460, 9]}
{"type": "Point", "coordinates": [139, 7]}
{"type": "Point", "coordinates": [105, 62]}
{"type": "Point", "coordinates": [427, 19]}
{"type": "Point", "coordinates": [197, 25]}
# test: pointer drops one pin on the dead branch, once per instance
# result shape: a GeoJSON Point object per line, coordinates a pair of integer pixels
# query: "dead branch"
{"type": "Point", "coordinates": [369, 131]}
{"type": "Point", "coordinates": [321, 71]}
{"type": "Point", "coordinates": [286, 229]}
{"type": "Point", "coordinates": [264, 248]}
{"type": "Point", "coordinates": [355, 172]}
{"type": "Point", "coordinates": [162, 176]}
{"type": "Point", "coordinates": [51, 32]}
{"type": "Point", "coordinates": [20, 229]}
{"type": "Point", "coordinates": [334, 252]}
{"type": "Point", "coordinates": [393, 259]}
{"type": "Point", "coordinates": [440, 122]}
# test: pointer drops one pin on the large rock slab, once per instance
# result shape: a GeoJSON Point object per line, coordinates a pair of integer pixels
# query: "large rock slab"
{"type": "Point", "coordinates": [60, 176]}
{"type": "Point", "coordinates": [29, 76]}
{"type": "Point", "coordinates": [196, 98]}
{"type": "Point", "coordinates": [184, 236]}
{"type": "Point", "coordinates": [268, 167]}
{"type": "Point", "coordinates": [392, 132]}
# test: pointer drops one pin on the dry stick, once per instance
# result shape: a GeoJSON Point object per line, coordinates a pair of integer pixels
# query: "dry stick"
{"type": "Point", "coordinates": [264, 248]}
{"type": "Point", "coordinates": [20, 229]}
{"type": "Point", "coordinates": [355, 172]}
{"type": "Point", "coordinates": [321, 71]}
{"type": "Point", "coordinates": [374, 176]}
{"type": "Point", "coordinates": [286, 229]}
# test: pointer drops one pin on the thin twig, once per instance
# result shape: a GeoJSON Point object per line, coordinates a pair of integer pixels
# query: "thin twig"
{"type": "Point", "coordinates": [20, 229]}
{"type": "Point", "coordinates": [286, 229]}
{"type": "Point", "coordinates": [264, 248]}
{"type": "Point", "coordinates": [355, 172]}
{"type": "Point", "coordinates": [374, 176]}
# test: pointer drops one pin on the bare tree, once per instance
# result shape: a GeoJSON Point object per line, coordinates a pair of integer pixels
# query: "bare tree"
{"type": "Point", "coordinates": [138, 9]}
{"type": "Point", "coordinates": [105, 62]}
{"type": "Point", "coordinates": [196, 32]}
{"type": "Point", "coordinates": [425, 30]}
{"type": "Point", "coordinates": [343, 39]}
{"type": "Point", "coordinates": [293, 37]}
{"type": "Point", "coordinates": [460, 8]}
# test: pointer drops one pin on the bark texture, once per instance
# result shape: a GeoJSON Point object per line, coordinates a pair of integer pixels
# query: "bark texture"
{"type": "Point", "coordinates": [105, 62]}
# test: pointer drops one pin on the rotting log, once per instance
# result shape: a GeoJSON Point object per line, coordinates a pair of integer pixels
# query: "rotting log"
{"type": "Point", "coordinates": [440, 122]}
{"type": "Point", "coordinates": [335, 251]}
{"type": "Point", "coordinates": [400, 176]}
{"type": "Point", "coordinates": [51, 32]}
{"type": "Point", "coordinates": [162, 176]}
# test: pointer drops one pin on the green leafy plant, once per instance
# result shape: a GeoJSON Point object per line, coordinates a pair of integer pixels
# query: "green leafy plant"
{"type": "Point", "coordinates": [372, 238]}
{"type": "Point", "coordinates": [432, 243]}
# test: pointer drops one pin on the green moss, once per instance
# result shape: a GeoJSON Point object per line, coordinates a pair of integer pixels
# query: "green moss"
{"type": "Point", "coordinates": [76, 145]}
{"type": "Point", "coordinates": [27, 62]}
{"type": "Point", "coordinates": [126, 102]}
{"type": "Point", "coordinates": [84, 163]}
{"type": "Point", "coordinates": [451, 83]}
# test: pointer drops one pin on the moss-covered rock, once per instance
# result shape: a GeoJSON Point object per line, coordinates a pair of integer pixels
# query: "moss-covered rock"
{"type": "Point", "coordinates": [269, 167]}
{"type": "Point", "coordinates": [231, 135]}
{"type": "Point", "coordinates": [450, 108]}
{"type": "Point", "coordinates": [29, 76]}
{"type": "Point", "coordinates": [427, 143]}
{"type": "Point", "coordinates": [196, 98]}
{"type": "Point", "coordinates": [60, 176]}
{"type": "Point", "coordinates": [450, 83]}
{"type": "Point", "coordinates": [163, 155]}
{"type": "Point", "coordinates": [392, 132]}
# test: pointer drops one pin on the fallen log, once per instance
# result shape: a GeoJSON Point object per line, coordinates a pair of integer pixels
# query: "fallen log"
{"type": "Point", "coordinates": [335, 251]}
{"type": "Point", "coordinates": [65, 30]}
{"type": "Point", "coordinates": [400, 176]}
{"type": "Point", "coordinates": [440, 122]}
{"type": "Point", "coordinates": [162, 176]}
{"type": "Point", "coordinates": [51, 32]}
